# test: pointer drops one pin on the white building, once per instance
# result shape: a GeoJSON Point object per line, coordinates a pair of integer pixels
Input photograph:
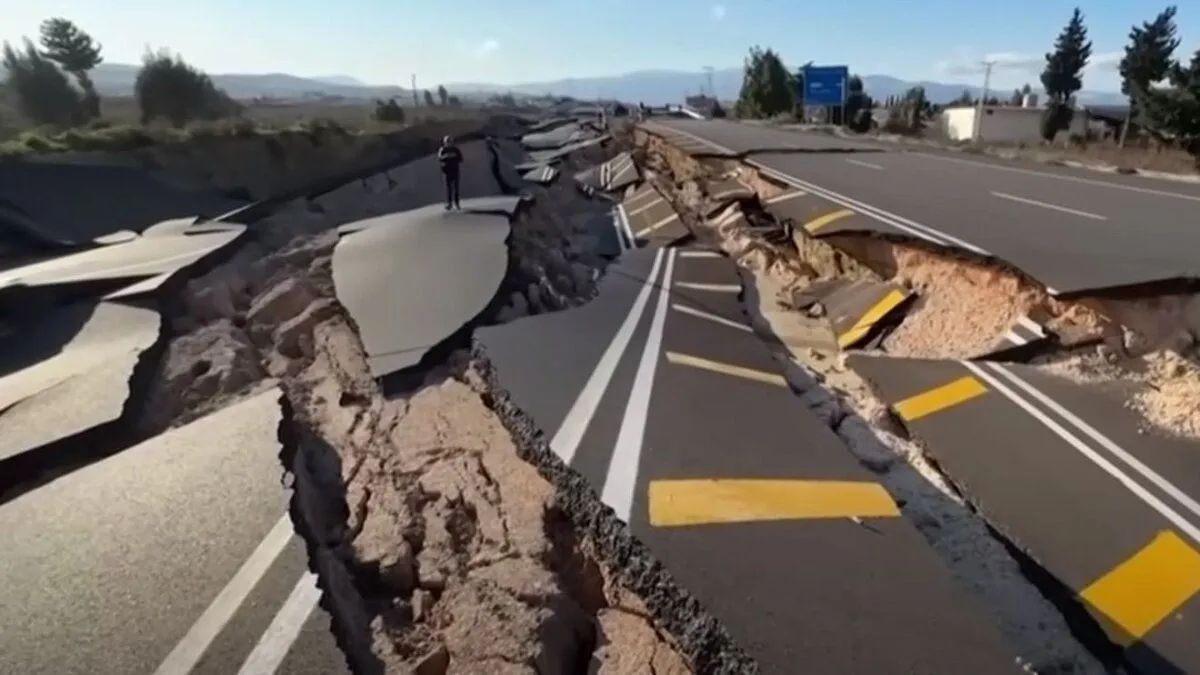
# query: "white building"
{"type": "Point", "coordinates": [1003, 124]}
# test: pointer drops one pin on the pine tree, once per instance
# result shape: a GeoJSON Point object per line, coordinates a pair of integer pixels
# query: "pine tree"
{"type": "Point", "coordinates": [1063, 74]}
{"type": "Point", "coordinates": [43, 94]}
{"type": "Point", "coordinates": [1147, 60]}
{"type": "Point", "coordinates": [1175, 112]}
{"type": "Point", "coordinates": [428, 98]}
{"type": "Point", "coordinates": [443, 95]}
{"type": "Point", "coordinates": [76, 53]}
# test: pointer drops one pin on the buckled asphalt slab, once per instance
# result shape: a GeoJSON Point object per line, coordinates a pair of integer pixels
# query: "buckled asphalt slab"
{"type": "Point", "coordinates": [1061, 469]}
{"type": "Point", "coordinates": [69, 371]}
{"type": "Point", "coordinates": [1069, 229]}
{"type": "Point", "coordinates": [176, 553]}
{"type": "Point", "coordinates": [661, 396]}
{"type": "Point", "coordinates": [409, 280]}
{"type": "Point", "coordinates": [651, 217]}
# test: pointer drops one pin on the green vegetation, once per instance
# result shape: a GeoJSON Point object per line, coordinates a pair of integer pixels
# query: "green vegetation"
{"type": "Point", "coordinates": [1063, 75]}
{"type": "Point", "coordinates": [858, 106]}
{"type": "Point", "coordinates": [1147, 60]}
{"type": "Point", "coordinates": [76, 53]}
{"type": "Point", "coordinates": [428, 99]}
{"type": "Point", "coordinates": [168, 88]}
{"type": "Point", "coordinates": [767, 87]}
{"type": "Point", "coordinates": [907, 116]}
{"type": "Point", "coordinates": [41, 91]}
{"type": "Point", "coordinates": [388, 111]}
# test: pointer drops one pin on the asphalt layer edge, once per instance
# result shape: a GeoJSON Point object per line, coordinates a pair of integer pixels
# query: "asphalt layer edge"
{"type": "Point", "coordinates": [702, 637]}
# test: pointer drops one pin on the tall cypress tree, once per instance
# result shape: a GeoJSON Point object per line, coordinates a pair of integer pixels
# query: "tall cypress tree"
{"type": "Point", "coordinates": [1063, 75]}
{"type": "Point", "coordinates": [1147, 60]}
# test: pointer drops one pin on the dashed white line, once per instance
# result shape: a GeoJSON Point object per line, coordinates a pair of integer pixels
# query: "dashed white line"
{"type": "Point", "coordinates": [279, 636]}
{"type": "Point", "coordinates": [621, 477]}
{"type": "Point", "coordinates": [1053, 207]}
{"type": "Point", "coordinates": [187, 653]}
{"type": "Point", "coordinates": [1074, 441]}
{"type": "Point", "coordinates": [647, 207]}
{"type": "Point", "coordinates": [632, 242]}
{"type": "Point", "coordinates": [716, 288]}
{"type": "Point", "coordinates": [566, 440]}
{"type": "Point", "coordinates": [1073, 179]}
{"type": "Point", "coordinates": [700, 254]}
{"type": "Point", "coordinates": [684, 309]}
{"type": "Point", "coordinates": [868, 165]}
{"type": "Point", "coordinates": [647, 230]}
{"type": "Point", "coordinates": [791, 194]}
{"type": "Point", "coordinates": [616, 222]}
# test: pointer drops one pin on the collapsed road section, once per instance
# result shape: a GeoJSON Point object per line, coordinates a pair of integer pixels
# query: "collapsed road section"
{"type": "Point", "coordinates": [1077, 460]}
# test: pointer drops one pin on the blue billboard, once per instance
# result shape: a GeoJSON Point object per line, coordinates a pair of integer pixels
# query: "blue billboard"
{"type": "Point", "coordinates": [825, 85]}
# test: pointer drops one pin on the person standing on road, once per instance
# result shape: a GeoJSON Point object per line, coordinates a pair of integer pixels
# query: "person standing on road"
{"type": "Point", "coordinates": [450, 158]}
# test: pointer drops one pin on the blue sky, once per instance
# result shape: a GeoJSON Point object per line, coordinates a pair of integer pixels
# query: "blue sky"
{"type": "Point", "coordinates": [506, 41]}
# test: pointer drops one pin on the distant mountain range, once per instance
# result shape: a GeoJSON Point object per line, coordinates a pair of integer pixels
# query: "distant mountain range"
{"type": "Point", "coordinates": [653, 87]}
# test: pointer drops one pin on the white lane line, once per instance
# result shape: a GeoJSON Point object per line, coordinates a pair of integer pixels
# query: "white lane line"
{"type": "Point", "coordinates": [868, 165]}
{"type": "Point", "coordinates": [1073, 179]}
{"type": "Point", "coordinates": [621, 478]}
{"type": "Point", "coordinates": [187, 653]}
{"type": "Point", "coordinates": [277, 640]}
{"type": "Point", "coordinates": [1108, 467]}
{"type": "Point", "coordinates": [1032, 326]}
{"type": "Point", "coordinates": [638, 196]}
{"type": "Point", "coordinates": [904, 224]}
{"type": "Point", "coordinates": [647, 207]}
{"type": "Point", "coordinates": [694, 137]}
{"type": "Point", "coordinates": [566, 440]}
{"type": "Point", "coordinates": [625, 226]}
{"type": "Point", "coordinates": [1012, 337]}
{"type": "Point", "coordinates": [791, 194]}
{"type": "Point", "coordinates": [916, 229]}
{"type": "Point", "coordinates": [616, 223]}
{"type": "Point", "coordinates": [684, 309]}
{"type": "Point", "coordinates": [700, 254]}
{"type": "Point", "coordinates": [1053, 207]}
{"type": "Point", "coordinates": [647, 230]}
{"type": "Point", "coordinates": [716, 288]}
{"type": "Point", "coordinates": [1104, 441]}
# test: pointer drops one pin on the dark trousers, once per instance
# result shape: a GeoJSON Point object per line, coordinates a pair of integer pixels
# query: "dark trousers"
{"type": "Point", "coordinates": [451, 188]}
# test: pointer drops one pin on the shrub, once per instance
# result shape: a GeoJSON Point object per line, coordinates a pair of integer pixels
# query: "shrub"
{"type": "Point", "coordinates": [168, 88]}
{"type": "Point", "coordinates": [388, 111]}
{"type": "Point", "coordinates": [42, 91]}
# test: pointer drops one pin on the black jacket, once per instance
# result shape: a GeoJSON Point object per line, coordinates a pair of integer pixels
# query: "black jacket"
{"type": "Point", "coordinates": [450, 157]}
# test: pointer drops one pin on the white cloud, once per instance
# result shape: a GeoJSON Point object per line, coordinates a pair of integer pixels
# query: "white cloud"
{"type": "Point", "coordinates": [486, 47]}
{"type": "Point", "coordinates": [1105, 61]}
{"type": "Point", "coordinates": [718, 12]}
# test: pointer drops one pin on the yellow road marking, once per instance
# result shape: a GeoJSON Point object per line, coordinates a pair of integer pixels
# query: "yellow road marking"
{"type": "Point", "coordinates": [700, 502]}
{"type": "Point", "coordinates": [817, 223]}
{"type": "Point", "coordinates": [939, 398]}
{"type": "Point", "coordinates": [1145, 589]}
{"type": "Point", "coordinates": [872, 316]}
{"type": "Point", "coordinates": [726, 369]}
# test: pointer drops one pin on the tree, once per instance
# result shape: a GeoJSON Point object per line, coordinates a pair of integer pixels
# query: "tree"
{"type": "Point", "coordinates": [908, 115]}
{"type": "Point", "coordinates": [169, 88]}
{"type": "Point", "coordinates": [858, 106]}
{"type": "Point", "coordinates": [42, 91]}
{"type": "Point", "coordinates": [1147, 60]}
{"type": "Point", "coordinates": [428, 98]}
{"type": "Point", "coordinates": [964, 98]}
{"type": "Point", "coordinates": [75, 52]}
{"type": "Point", "coordinates": [454, 101]}
{"type": "Point", "coordinates": [1175, 112]}
{"type": "Point", "coordinates": [443, 95]}
{"type": "Point", "coordinates": [1015, 99]}
{"type": "Point", "coordinates": [388, 111]}
{"type": "Point", "coordinates": [767, 88]}
{"type": "Point", "coordinates": [1063, 74]}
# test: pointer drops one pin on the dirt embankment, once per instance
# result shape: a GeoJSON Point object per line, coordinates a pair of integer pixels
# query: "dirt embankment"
{"type": "Point", "coordinates": [439, 546]}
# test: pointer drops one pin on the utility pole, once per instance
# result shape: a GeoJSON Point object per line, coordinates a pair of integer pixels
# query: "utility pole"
{"type": "Point", "coordinates": [416, 101]}
{"type": "Point", "coordinates": [708, 74]}
{"type": "Point", "coordinates": [987, 79]}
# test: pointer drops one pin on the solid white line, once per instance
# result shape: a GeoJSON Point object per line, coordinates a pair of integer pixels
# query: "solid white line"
{"type": "Point", "coordinates": [647, 207]}
{"type": "Point", "coordinates": [717, 288]}
{"type": "Point", "coordinates": [1107, 466]}
{"type": "Point", "coordinates": [616, 223]}
{"type": "Point", "coordinates": [566, 440]}
{"type": "Point", "coordinates": [187, 653]}
{"type": "Point", "coordinates": [625, 226]}
{"type": "Point", "coordinates": [277, 640]}
{"type": "Point", "coordinates": [1055, 207]}
{"type": "Point", "coordinates": [697, 138]}
{"type": "Point", "coordinates": [1032, 326]}
{"type": "Point", "coordinates": [700, 254]}
{"type": "Point", "coordinates": [1012, 337]}
{"type": "Point", "coordinates": [1105, 442]}
{"type": "Point", "coordinates": [1073, 179]}
{"type": "Point", "coordinates": [866, 164]}
{"type": "Point", "coordinates": [651, 192]}
{"type": "Point", "coordinates": [664, 221]}
{"type": "Point", "coordinates": [711, 317]}
{"type": "Point", "coordinates": [621, 478]}
{"type": "Point", "coordinates": [791, 194]}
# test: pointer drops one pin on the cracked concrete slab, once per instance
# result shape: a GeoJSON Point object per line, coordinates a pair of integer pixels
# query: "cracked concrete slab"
{"type": "Point", "coordinates": [411, 280]}
{"type": "Point", "coordinates": [69, 371]}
